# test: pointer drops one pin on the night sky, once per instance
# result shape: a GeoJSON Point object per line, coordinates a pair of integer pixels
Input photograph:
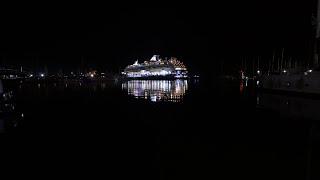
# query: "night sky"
{"type": "Point", "coordinates": [111, 37]}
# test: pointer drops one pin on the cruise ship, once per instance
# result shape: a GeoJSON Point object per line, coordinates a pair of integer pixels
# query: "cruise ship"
{"type": "Point", "coordinates": [157, 68]}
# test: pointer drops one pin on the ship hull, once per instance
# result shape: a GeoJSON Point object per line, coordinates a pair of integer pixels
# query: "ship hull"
{"type": "Point", "coordinates": [168, 77]}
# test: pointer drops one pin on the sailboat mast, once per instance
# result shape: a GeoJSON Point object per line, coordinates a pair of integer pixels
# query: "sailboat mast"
{"type": "Point", "coordinates": [253, 64]}
{"type": "Point", "coordinates": [281, 64]}
{"type": "Point", "coordinates": [272, 63]}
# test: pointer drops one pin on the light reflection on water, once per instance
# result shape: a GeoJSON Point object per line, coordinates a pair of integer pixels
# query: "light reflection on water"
{"type": "Point", "coordinates": [157, 90]}
{"type": "Point", "coordinates": [10, 116]}
{"type": "Point", "coordinates": [290, 106]}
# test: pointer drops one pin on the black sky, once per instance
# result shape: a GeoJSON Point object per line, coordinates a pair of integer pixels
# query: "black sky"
{"type": "Point", "coordinates": [110, 37]}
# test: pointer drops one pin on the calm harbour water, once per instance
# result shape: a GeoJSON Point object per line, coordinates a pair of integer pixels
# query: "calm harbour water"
{"type": "Point", "coordinates": [151, 129]}
{"type": "Point", "coordinates": [157, 90]}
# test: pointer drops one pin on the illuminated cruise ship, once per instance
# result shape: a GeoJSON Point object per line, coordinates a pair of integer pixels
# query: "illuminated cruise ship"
{"type": "Point", "coordinates": [156, 68]}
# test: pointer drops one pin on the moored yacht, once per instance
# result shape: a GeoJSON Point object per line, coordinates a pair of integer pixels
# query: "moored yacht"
{"type": "Point", "coordinates": [304, 80]}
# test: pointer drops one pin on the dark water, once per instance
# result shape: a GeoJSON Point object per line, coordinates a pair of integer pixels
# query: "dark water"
{"type": "Point", "coordinates": [160, 130]}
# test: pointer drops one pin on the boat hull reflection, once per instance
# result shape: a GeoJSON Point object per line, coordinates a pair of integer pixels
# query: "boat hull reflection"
{"type": "Point", "coordinates": [157, 90]}
{"type": "Point", "coordinates": [290, 106]}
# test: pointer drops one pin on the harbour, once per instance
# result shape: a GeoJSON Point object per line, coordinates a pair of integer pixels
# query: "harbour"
{"type": "Point", "coordinates": [228, 90]}
{"type": "Point", "coordinates": [230, 128]}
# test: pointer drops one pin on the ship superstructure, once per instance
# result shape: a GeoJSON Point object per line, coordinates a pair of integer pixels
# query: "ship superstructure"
{"type": "Point", "coordinates": [157, 67]}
